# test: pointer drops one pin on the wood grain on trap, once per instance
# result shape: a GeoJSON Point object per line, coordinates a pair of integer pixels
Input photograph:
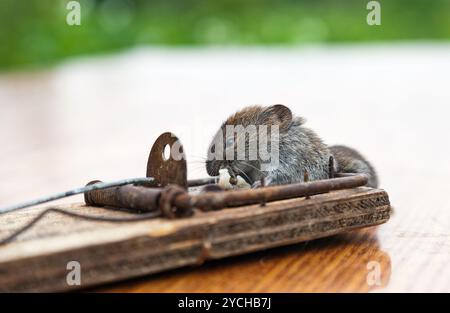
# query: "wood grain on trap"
{"type": "Point", "coordinates": [111, 251]}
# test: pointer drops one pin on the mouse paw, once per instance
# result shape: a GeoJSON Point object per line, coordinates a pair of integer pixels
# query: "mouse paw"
{"type": "Point", "coordinates": [258, 183]}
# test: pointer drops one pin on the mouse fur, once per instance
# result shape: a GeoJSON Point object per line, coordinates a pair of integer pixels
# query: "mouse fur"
{"type": "Point", "coordinates": [300, 149]}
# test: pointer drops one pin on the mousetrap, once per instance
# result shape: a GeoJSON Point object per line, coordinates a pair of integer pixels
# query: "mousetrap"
{"type": "Point", "coordinates": [167, 222]}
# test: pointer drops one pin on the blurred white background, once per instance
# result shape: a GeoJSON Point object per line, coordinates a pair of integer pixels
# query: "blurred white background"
{"type": "Point", "coordinates": [98, 117]}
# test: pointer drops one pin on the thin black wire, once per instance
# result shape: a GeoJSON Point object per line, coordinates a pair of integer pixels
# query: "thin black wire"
{"type": "Point", "coordinates": [72, 192]}
{"type": "Point", "coordinates": [140, 217]}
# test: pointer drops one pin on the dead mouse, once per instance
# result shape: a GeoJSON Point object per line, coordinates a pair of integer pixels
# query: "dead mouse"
{"type": "Point", "coordinates": [294, 148]}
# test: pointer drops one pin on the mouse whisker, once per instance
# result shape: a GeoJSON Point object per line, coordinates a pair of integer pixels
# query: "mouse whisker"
{"type": "Point", "coordinates": [202, 163]}
{"type": "Point", "coordinates": [193, 156]}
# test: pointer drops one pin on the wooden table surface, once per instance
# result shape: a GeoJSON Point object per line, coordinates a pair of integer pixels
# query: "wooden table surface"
{"type": "Point", "coordinates": [97, 118]}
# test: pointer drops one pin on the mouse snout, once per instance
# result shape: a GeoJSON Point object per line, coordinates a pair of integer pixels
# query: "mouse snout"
{"type": "Point", "coordinates": [212, 167]}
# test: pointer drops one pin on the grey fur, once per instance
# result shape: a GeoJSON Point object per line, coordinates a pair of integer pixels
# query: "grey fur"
{"type": "Point", "coordinates": [300, 149]}
{"type": "Point", "coordinates": [351, 161]}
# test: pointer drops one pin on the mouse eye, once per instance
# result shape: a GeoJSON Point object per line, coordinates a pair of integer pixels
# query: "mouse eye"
{"type": "Point", "coordinates": [230, 142]}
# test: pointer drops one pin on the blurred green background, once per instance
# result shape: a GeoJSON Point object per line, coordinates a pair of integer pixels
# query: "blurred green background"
{"type": "Point", "coordinates": [34, 32]}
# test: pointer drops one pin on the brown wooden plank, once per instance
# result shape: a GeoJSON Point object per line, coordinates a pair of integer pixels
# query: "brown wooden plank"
{"type": "Point", "coordinates": [109, 251]}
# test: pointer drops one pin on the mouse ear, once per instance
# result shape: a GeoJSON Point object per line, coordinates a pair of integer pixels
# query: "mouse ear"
{"type": "Point", "coordinates": [278, 114]}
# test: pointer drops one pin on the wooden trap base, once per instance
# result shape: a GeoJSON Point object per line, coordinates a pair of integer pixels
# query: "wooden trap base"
{"type": "Point", "coordinates": [37, 260]}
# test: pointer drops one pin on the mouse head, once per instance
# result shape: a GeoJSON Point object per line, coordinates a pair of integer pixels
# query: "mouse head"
{"type": "Point", "coordinates": [235, 145]}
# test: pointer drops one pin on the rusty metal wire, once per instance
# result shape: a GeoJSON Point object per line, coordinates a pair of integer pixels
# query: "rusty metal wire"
{"type": "Point", "coordinates": [85, 190]}
{"type": "Point", "coordinates": [76, 191]}
{"type": "Point", "coordinates": [173, 201]}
